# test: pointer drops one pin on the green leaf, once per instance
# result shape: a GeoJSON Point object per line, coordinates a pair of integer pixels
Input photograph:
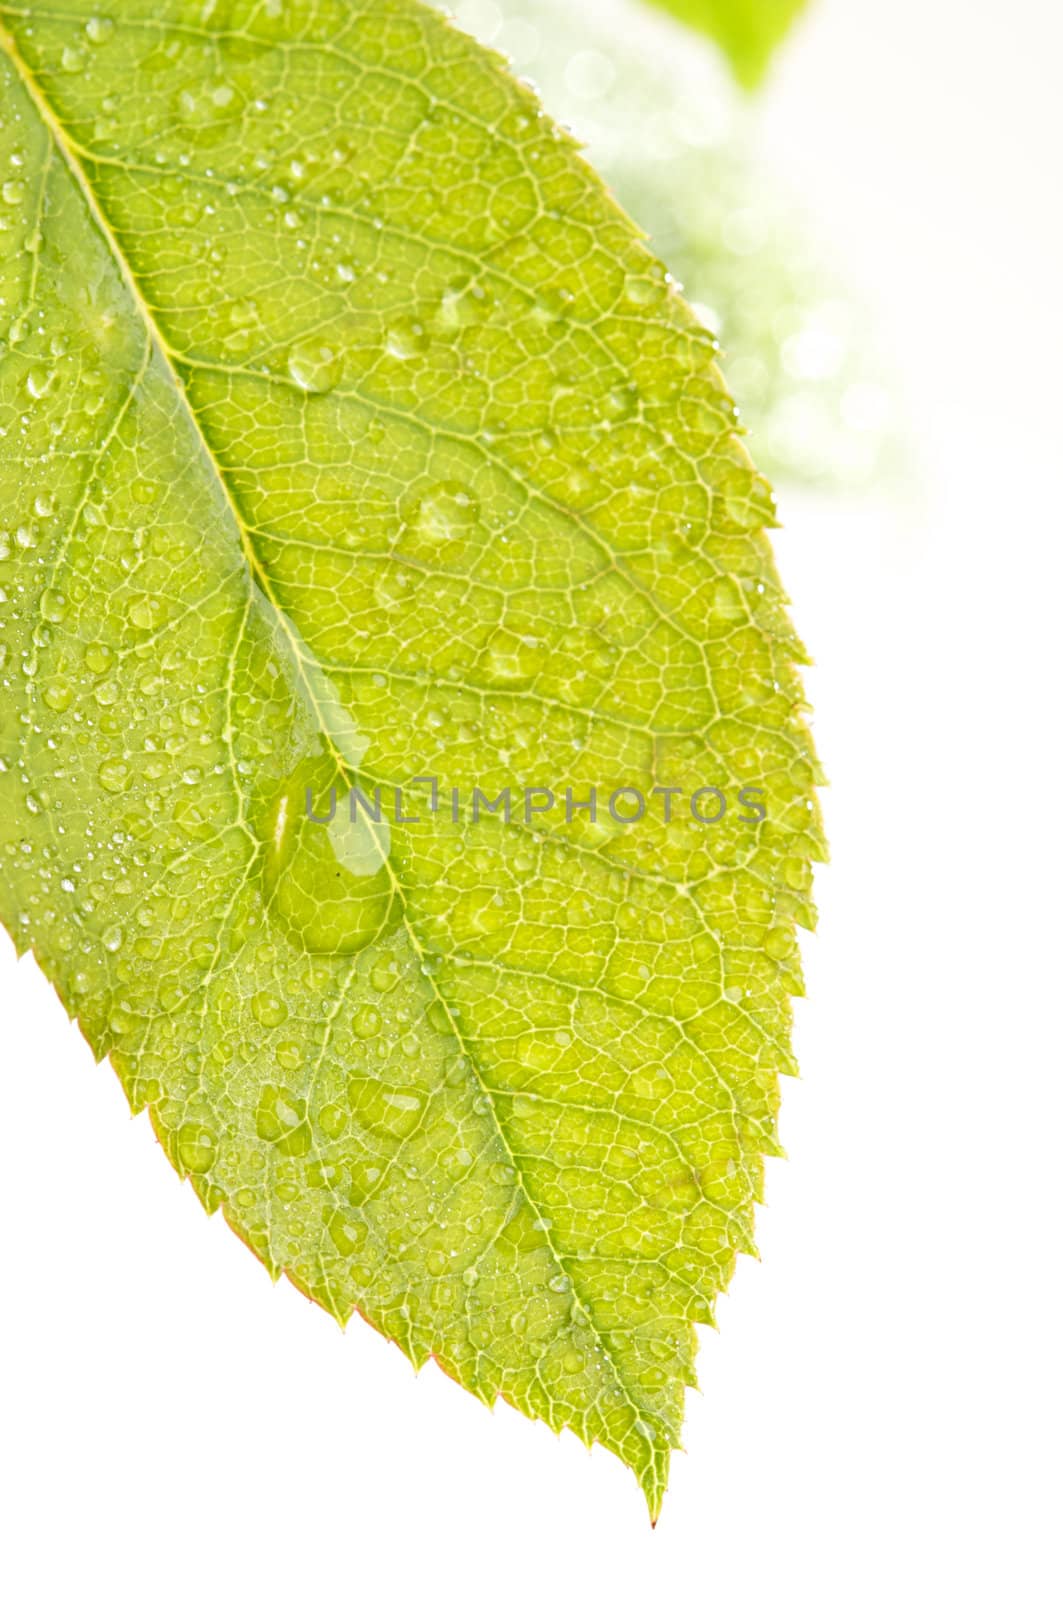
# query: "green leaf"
{"type": "Point", "coordinates": [748, 31]}
{"type": "Point", "coordinates": [350, 434]}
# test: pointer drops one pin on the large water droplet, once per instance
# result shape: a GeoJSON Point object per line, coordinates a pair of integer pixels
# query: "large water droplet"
{"type": "Point", "coordinates": [406, 338]}
{"type": "Point", "coordinates": [314, 367]}
{"type": "Point", "coordinates": [281, 1120]}
{"type": "Point", "coordinates": [58, 695]}
{"type": "Point", "coordinates": [207, 104]}
{"type": "Point", "coordinates": [384, 1108]}
{"type": "Point", "coordinates": [647, 287]}
{"type": "Point", "coordinates": [114, 775]}
{"type": "Point", "coordinates": [514, 658]}
{"type": "Point", "coordinates": [326, 882]}
{"type": "Point", "coordinates": [445, 511]}
{"type": "Point", "coordinates": [269, 1009]}
{"type": "Point", "coordinates": [464, 302]}
{"type": "Point", "coordinates": [53, 605]}
{"type": "Point", "coordinates": [98, 657]}
{"type": "Point", "coordinates": [196, 1147]}
{"type": "Point", "coordinates": [779, 942]}
{"type": "Point", "coordinates": [347, 1234]}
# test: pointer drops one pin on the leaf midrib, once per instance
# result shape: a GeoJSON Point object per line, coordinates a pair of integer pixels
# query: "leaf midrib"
{"type": "Point", "coordinates": [67, 153]}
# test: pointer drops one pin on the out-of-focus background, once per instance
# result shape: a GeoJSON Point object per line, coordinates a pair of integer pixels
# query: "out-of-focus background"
{"type": "Point", "coordinates": [661, 116]}
{"type": "Point", "coordinates": [879, 1411]}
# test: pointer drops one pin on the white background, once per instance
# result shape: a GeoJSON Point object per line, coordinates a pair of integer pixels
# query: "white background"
{"type": "Point", "coordinates": [879, 1410]}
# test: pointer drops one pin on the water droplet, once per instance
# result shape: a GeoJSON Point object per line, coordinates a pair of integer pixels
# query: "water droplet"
{"type": "Point", "coordinates": [464, 303]}
{"type": "Point", "coordinates": [114, 775]}
{"type": "Point", "coordinates": [347, 1234]}
{"type": "Point", "coordinates": [196, 1147]}
{"type": "Point", "coordinates": [512, 658]}
{"type": "Point", "coordinates": [406, 338]}
{"type": "Point", "coordinates": [99, 29]}
{"type": "Point", "coordinates": [58, 695]}
{"type": "Point", "coordinates": [445, 512]}
{"type": "Point", "coordinates": [646, 288]}
{"type": "Point", "coordinates": [366, 1023]}
{"type": "Point", "coordinates": [438, 1018]}
{"type": "Point", "coordinates": [281, 1121]}
{"type": "Point", "coordinates": [328, 887]}
{"type": "Point", "coordinates": [144, 614]}
{"type": "Point", "coordinates": [98, 657]}
{"type": "Point", "coordinates": [53, 605]}
{"type": "Point", "coordinates": [385, 975]}
{"type": "Point", "coordinates": [651, 1083]}
{"type": "Point", "coordinates": [727, 601]}
{"type": "Point", "coordinates": [621, 402]}
{"type": "Point", "coordinates": [120, 1020]}
{"type": "Point", "coordinates": [207, 104]}
{"type": "Point", "coordinates": [268, 1009]}
{"type": "Point", "coordinates": [332, 1121]}
{"type": "Point", "coordinates": [779, 943]}
{"type": "Point", "coordinates": [553, 305]}
{"type": "Point", "coordinates": [798, 873]}
{"type": "Point", "coordinates": [13, 192]}
{"type": "Point", "coordinates": [383, 1108]}
{"type": "Point", "coordinates": [316, 368]}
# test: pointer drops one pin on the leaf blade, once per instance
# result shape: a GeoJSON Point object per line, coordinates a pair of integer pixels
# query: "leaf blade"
{"type": "Point", "coordinates": [383, 1093]}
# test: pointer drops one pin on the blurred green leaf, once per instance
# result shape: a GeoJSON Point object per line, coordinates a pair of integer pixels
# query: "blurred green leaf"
{"type": "Point", "coordinates": [678, 145]}
{"type": "Point", "coordinates": [747, 31]}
